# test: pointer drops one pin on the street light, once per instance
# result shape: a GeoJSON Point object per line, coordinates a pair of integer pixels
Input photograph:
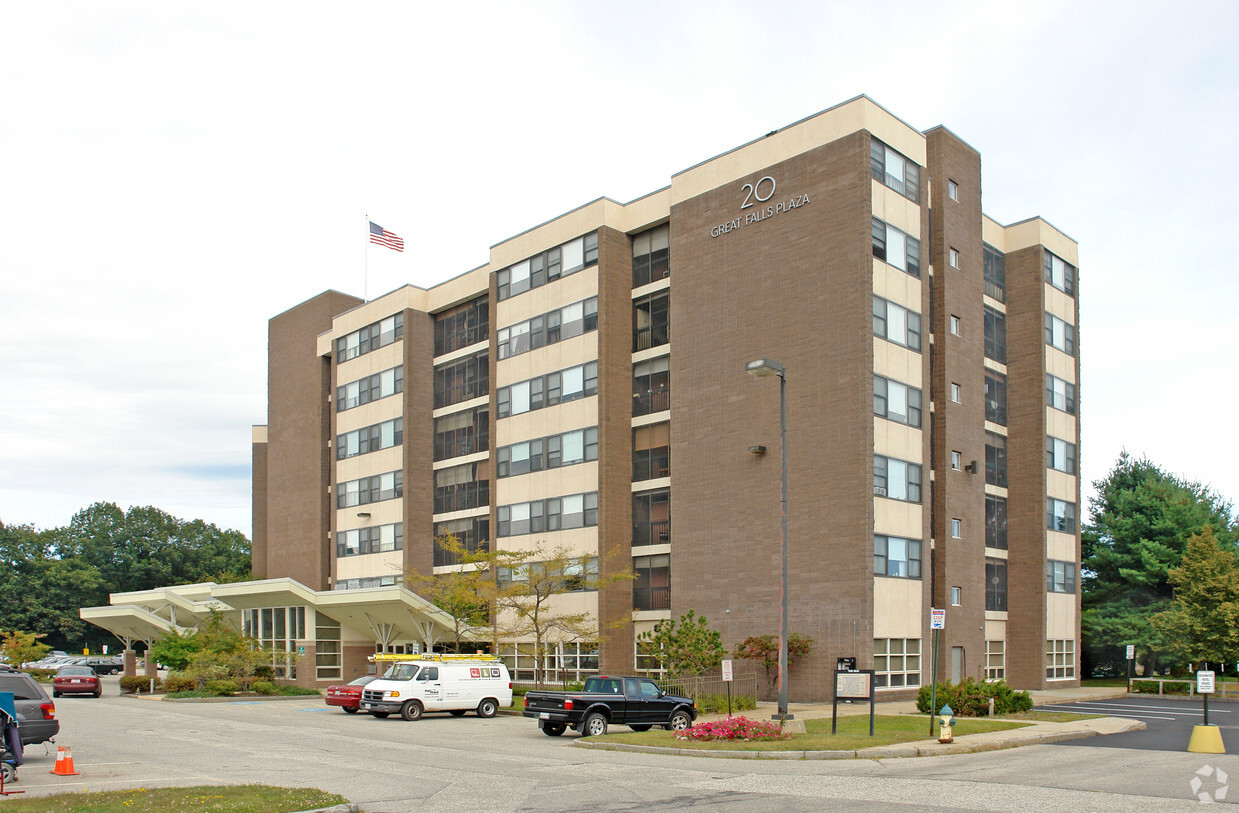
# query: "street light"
{"type": "Point", "coordinates": [763, 368]}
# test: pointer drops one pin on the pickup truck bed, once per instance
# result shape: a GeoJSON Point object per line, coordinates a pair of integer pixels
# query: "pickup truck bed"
{"type": "Point", "coordinates": [632, 701]}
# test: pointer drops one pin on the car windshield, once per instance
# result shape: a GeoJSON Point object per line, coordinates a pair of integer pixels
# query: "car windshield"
{"type": "Point", "coordinates": [76, 671]}
{"type": "Point", "coordinates": [401, 671]}
{"type": "Point", "coordinates": [362, 681]}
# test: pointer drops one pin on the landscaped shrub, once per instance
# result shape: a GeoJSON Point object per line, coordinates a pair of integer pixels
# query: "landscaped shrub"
{"type": "Point", "coordinates": [970, 698]}
{"type": "Point", "coordinates": [1168, 687]}
{"type": "Point", "coordinates": [221, 688]}
{"type": "Point", "coordinates": [131, 684]}
{"type": "Point", "coordinates": [717, 703]}
{"type": "Point", "coordinates": [265, 687]}
{"type": "Point", "coordinates": [292, 691]}
{"type": "Point", "coordinates": [177, 682]}
{"type": "Point", "coordinates": [734, 729]}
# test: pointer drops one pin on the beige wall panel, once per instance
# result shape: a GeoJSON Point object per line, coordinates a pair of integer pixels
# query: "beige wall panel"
{"type": "Point", "coordinates": [1059, 304]}
{"type": "Point", "coordinates": [567, 226]}
{"type": "Point", "coordinates": [1060, 618]}
{"type": "Point", "coordinates": [1060, 424]}
{"type": "Point", "coordinates": [576, 479]}
{"type": "Point", "coordinates": [1060, 546]}
{"type": "Point", "coordinates": [377, 310]}
{"type": "Point", "coordinates": [1059, 364]}
{"type": "Point", "coordinates": [900, 288]}
{"type": "Point", "coordinates": [1036, 231]}
{"type": "Point", "coordinates": [896, 518]}
{"type": "Point", "coordinates": [565, 604]}
{"type": "Point", "coordinates": [995, 630]}
{"type": "Point", "coordinates": [993, 233]}
{"type": "Point", "coordinates": [370, 363]}
{"type": "Point", "coordinates": [896, 440]}
{"type": "Point", "coordinates": [578, 541]}
{"type": "Point", "coordinates": [385, 409]}
{"type": "Point", "coordinates": [367, 465]}
{"type": "Point", "coordinates": [552, 358]}
{"type": "Point", "coordinates": [537, 301]}
{"type": "Point", "coordinates": [388, 563]}
{"type": "Point", "coordinates": [460, 288]}
{"type": "Point", "coordinates": [897, 608]}
{"type": "Point", "coordinates": [902, 365]}
{"type": "Point", "coordinates": [387, 512]}
{"type": "Point", "coordinates": [898, 211]}
{"type": "Point", "coordinates": [549, 421]}
{"type": "Point", "coordinates": [1061, 485]}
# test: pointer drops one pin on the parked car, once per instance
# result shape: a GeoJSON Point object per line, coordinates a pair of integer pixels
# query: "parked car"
{"type": "Point", "coordinates": [348, 696]}
{"type": "Point", "coordinates": [636, 702]}
{"type": "Point", "coordinates": [36, 713]}
{"type": "Point", "coordinates": [106, 665]}
{"type": "Point", "coordinates": [76, 679]}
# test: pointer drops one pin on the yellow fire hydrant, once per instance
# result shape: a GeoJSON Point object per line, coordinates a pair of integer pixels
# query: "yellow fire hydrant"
{"type": "Point", "coordinates": [946, 719]}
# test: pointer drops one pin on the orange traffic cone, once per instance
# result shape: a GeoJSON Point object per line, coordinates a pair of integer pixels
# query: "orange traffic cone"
{"type": "Point", "coordinates": [64, 761]}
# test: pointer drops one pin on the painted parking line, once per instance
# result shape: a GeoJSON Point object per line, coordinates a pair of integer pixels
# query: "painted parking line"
{"type": "Point", "coordinates": [1098, 705]}
{"type": "Point", "coordinates": [315, 710]}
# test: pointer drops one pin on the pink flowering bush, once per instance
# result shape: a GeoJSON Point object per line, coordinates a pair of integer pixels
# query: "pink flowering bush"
{"type": "Point", "coordinates": [736, 729]}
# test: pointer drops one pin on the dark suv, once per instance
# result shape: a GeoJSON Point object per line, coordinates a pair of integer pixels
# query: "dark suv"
{"type": "Point", "coordinates": [36, 713]}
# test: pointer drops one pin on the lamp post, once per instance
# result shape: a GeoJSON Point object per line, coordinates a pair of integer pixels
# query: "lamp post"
{"type": "Point", "coordinates": [763, 368]}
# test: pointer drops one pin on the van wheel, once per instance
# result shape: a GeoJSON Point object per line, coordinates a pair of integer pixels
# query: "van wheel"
{"type": "Point", "coordinates": [595, 725]}
{"type": "Point", "coordinates": [488, 707]}
{"type": "Point", "coordinates": [382, 715]}
{"type": "Point", "coordinates": [411, 710]}
{"type": "Point", "coordinates": [553, 729]}
{"type": "Point", "coordinates": [457, 712]}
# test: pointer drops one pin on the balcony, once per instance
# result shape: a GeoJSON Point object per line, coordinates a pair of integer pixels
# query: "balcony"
{"type": "Point", "coordinates": [647, 403]}
{"type": "Point", "coordinates": [650, 464]}
{"type": "Point", "coordinates": [652, 336]}
{"type": "Point", "coordinates": [651, 533]}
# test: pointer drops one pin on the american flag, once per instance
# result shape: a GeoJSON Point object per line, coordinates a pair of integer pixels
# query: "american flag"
{"type": "Point", "coordinates": [383, 237]}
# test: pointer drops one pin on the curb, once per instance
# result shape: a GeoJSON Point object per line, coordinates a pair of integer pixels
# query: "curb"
{"type": "Point", "coordinates": [348, 807]}
{"type": "Point", "coordinates": [244, 699]}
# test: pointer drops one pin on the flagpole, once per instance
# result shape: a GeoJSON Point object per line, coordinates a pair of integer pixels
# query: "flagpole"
{"type": "Point", "coordinates": [365, 280]}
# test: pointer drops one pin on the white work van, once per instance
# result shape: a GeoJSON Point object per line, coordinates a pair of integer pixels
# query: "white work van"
{"type": "Point", "coordinates": [439, 683]}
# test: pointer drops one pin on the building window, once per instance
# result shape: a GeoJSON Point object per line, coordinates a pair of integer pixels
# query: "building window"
{"type": "Point", "coordinates": [956, 596]}
{"type": "Point", "coordinates": [896, 402]}
{"type": "Point", "coordinates": [554, 514]}
{"type": "Point", "coordinates": [956, 461]}
{"type": "Point", "coordinates": [956, 528]}
{"type": "Point", "coordinates": [896, 479]}
{"type": "Point", "coordinates": [556, 451]}
{"type": "Point", "coordinates": [378, 488]}
{"type": "Point", "coordinates": [651, 590]}
{"type": "Point", "coordinates": [651, 452]}
{"type": "Point", "coordinates": [549, 328]}
{"type": "Point", "coordinates": [462, 326]}
{"type": "Point", "coordinates": [461, 488]}
{"type": "Point", "coordinates": [1060, 515]}
{"type": "Point", "coordinates": [955, 327]}
{"type": "Point", "coordinates": [894, 170]}
{"type": "Point", "coordinates": [956, 392]}
{"type": "Point", "coordinates": [651, 255]}
{"type": "Point", "coordinates": [471, 533]}
{"type": "Point", "coordinates": [995, 459]}
{"type": "Point", "coordinates": [370, 439]}
{"type": "Point", "coordinates": [327, 651]}
{"type": "Point", "coordinates": [995, 335]}
{"type": "Point", "coordinates": [995, 268]}
{"type": "Point", "coordinates": [568, 661]}
{"type": "Point", "coordinates": [995, 660]}
{"type": "Point", "coordinates": [896, 248]}
{"type": "Point", "coordinates": [462, 433]}
{"type": "Point", "coordinates": [1060, 274]}
{"type": "Point", "coordinates": [1060, 394]}
{"type": "Point", "coordinates": [548, 266]}
{"type": "Point", "coordinates": [954, 258]}
{"type": "Point", "coordinates": [651, 386]}
{"type": "Point", "coordinates": [952, 190]}
{"type": "Point", "coordinates": [896, 324]}
{"type": "Point", "coordinates": [895, 556]}
{"type": "Point", "coordinates": [462, 380]}
{"type": "Point", "coordinates": [375, 539]}
{"type": "Point", "coordinates": [896, 662]}
{"type": "Point", "coordinates": [1060, 455]}
{"type": "Point", "coordinates": [995, 522]}
{"type": "Point", "coordinates": [370, 388]}
{"type": "Point", "coordinates": [548, 390]}
{"type": "Point", "coordinates": [651, 518]}
{"type": "Point", "coordinates": [1060, 577]}
{"type": "Point", "coordinates": [996, 585]}
{"type": "Point", "coordinates": [369, 338]}
{"type": "Point", "coordinates": [1060, 335]}
{"type": "Point", "coordinates": [651, 321]}
{"type": "Point", "coordinates": [996, 397]}
{"type": "Point", "coordinates": [579, 574]}
{"type": "Point", "coordinates": [1060, 659]}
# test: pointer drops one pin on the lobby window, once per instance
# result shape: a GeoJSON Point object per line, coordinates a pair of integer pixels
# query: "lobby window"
{"type": "Point", "coordinates": [461, 488]}
{"type": "Point", "coordinates": [995, 397]}
{"type": "Point", "coordinates": [651, 255]}
{"type": "Point", "coordinates": [651, 518]}
{"type": "Point", "coordinates": [956, 393]}
{"type": "Point", "coordinates": [548, 328]}
{"type": "Point", "coordinates": [651, 321]}
{"type": "Point", "coordinates": [1060, 274]}
{"type": "Point", "coordinates": [462, 326]}
{"type": "Point", "coordinates": [370, 388]}
{"type": "Point", "coordinates": [376, 539]}
{"type": "Point", "coordinates": [995, 269]}
{"type": "Point", "coordinates": [369, 338]}
{"type": "Point", "coordinates": [651, 386]}
{"type": "Point", "coordinates": [955, 326]}
{"type": "Point", "coordinates": [1060, 455]}
{"type": "Point", "coordinates": [471, 533]}
{"type": "Point", "coordinates": [896, 248]}
{"type": "Point", "coordinates": [896, 401]}
{"type": "Point", "coordinates": [996, 585]}
{"type": "Point", "coordinates": [896, 662]}
{"type": "Point", "coordinates": [1060, 659]}
{"type": "Point", "coordinates": [462, 433]}
{"type": "Point", "coordinates": [1060, 335]}
{"type": "Point", "coordinates": [896, 556]}
{"type": "Point", "coordinates": [548, 390]}
{"type": "Point", "coordinates": [1060, 515]}
{"type": "Point", "coordinates": [651, 590]}
{"type": "Point", "coordinates": [896, 479]}
{"type": "Point", "coordinates": [896, 324]}
{"type": "Point", "coordinates": [548, 266]}
{"type": "Point", "coordinates": [952, 190]}
{"type": "Point", "coordinates": [889, 168]}
{"type": "Point", "coordinates": [1060, 577]}
{"type": "Point", "coordinates": [1060, 394]}
{"type": "Point", "coordinates": [995, 459]}
{"type": "Point", "coordinates": [995, 660]}
{"type": "Point", "coordinates": [953, 257]}
{"type": "Point", "coordinates": [995, 522]}
{"type": "Point", "coordinates": [378, 488]}
{"type": "Point", "coordinates": [995, 335]}
{"type": "Point", "coordinates": [462, 380]}
{"type": "Point", "coordinates": [957, 526]}
{"type": "Point", "coordinates": [370, 439]}
{"type": "Point", "coordinates": [651, 452]}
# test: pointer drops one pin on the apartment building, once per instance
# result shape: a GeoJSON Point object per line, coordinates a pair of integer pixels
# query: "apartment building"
{"type": "Point", "coordinates": [586, 388]}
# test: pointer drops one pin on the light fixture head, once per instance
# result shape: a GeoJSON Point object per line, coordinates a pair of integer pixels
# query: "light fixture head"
{"type": "Point", "coordinates": [364, 514]}
{"type": "Point", "coordinates": [757, 450]}
{"type": "Point", "coordinates": [763, 367]}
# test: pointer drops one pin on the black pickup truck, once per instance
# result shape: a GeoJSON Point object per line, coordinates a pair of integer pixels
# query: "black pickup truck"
{"type": "Point", "coordinates": [636, 702]}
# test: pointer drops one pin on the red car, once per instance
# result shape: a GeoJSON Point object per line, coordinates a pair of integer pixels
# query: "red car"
{"type": "Point", "coordinates": [348, 696]}
{"type": "Point", "coordinates": [76, 680]}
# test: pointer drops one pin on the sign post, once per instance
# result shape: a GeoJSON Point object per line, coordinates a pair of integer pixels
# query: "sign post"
{"type": "Point", "coordinates": [854, 684]}
{"type": "Point", "coordinates": [727, 678]}
{"type": "Point", "coordinates": [1204, 685]}
{"type": "Point", "coordinates": [1131, 664]}
{"type": "Point", "coordinates": [1206, 739]}
{"type": "Point", "coordinates": [937, 623]}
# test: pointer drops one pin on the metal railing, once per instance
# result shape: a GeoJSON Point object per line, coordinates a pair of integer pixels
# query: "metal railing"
{"type": "Point", "coordinates": [702, 685]}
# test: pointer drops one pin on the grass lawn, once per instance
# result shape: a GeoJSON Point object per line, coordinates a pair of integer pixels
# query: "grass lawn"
{"type": "Point", "coordinates": [853, 733]}
{"type": "Point", "coordinates": [205, 799]}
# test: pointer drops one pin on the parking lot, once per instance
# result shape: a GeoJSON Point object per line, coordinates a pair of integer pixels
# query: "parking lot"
{"type": "Point", "coordinates": [1169, 719]}
{"type": "Point", "coordinates": [445, 763]}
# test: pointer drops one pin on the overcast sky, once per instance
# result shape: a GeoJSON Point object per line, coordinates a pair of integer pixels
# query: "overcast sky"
{"type": "Point", "coordinates": [171, 177]}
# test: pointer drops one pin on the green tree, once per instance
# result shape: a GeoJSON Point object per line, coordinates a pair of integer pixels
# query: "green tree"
{"type": "Point", "coordinates": [765, 649]}
{"type": "Point", "coordinates": [1204, 617]}
{"type": "Point", "coordinates": [464, 593]}
{"type": "Point", "coordinates": [687, 648]}
{"type": "Point", "coordinates": [22, 647]}
{"type": "Point", "coordinates": [1142, 517]}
